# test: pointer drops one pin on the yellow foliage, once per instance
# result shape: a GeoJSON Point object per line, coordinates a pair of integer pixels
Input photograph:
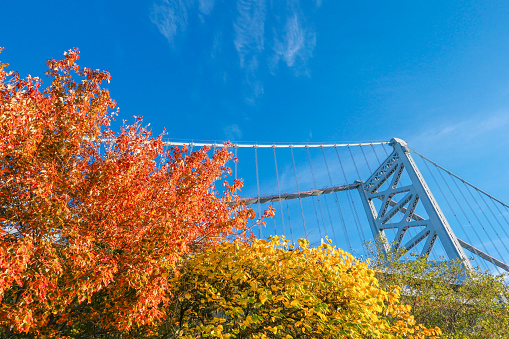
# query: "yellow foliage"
{"type": "Point", "coordinates": [270, 289]}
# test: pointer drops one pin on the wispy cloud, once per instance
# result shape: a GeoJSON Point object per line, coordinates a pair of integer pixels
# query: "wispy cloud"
{"type": "Point", "coordinates": [295, 45]}
{"type": "Point", "coordinates": [292, 41]}
{"type": "Point", "coordinates": [249, 28]}
{"type": "Point", "coordinates": [266, 35]}
{"type": "Point", "coordinates": [249, 42]}
{"type": "Point", "coordinates": [253, 81]}
{"type": "Point", "coordinates": [232, 132]}
{"type": "Point", "coordinates": [170, 17]}
{"type": "Point", "coordinates": [205, 6]}
{"type": "Point", "coordinates": [479, 130]}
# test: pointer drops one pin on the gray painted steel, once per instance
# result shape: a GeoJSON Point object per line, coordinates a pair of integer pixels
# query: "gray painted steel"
{"type": "Point", "coordinates": [305, 194]}
{"type": "Point", "coordinates": [436, 226]}
{"type": "Point", "coordinates": [391, 170]}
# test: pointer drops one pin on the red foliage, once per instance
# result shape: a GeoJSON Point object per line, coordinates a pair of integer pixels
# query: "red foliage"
{"type": "Point", "coordinates": [95, 228]}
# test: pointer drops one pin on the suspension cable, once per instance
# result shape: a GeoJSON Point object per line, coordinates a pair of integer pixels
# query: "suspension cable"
{"type": "Point", "coordinates": [499, 211]}
{"type": "Point", "coordinates": [460, 179]}
{"type": "Point", "coordinates": [458, 203]}
{"type": "Point", "coordinates": [318, 197]}
{"type": "Point", "coordinates": [300, 200]}
{"type": "Point", "coordinates": [258, 192]}
{"type": "Point", "coordinates": [383, 147]}
{"type": "Point", "coordinates": [342, 219]}
{"type": "Point", "coordinates": [279, 191]}
{"type": "Point", "coordinates": [201, 144]}
{"type": "Point", "coordinates": [354, 163]}
{"type": "Point", "coordinates": [489, 223]}
{"type": "Point", "coordinates": [236, 162]}
{"type": "Point", "coordinates": [366, 159]}
{"type": "Point", "coordinates": [452, 210]}
{"type": "Point", "coordinates": [352, 204]}
{"type": "Point", "coordinates": [289, 221]}
{"type": "Point", "coordinates": [475, 215]}
{"type": "Point", "coordinates": [494, 216]}
{"type": "Point", "coordinates": [376, 155]}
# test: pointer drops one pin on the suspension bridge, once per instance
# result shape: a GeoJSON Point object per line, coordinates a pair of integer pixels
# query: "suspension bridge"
{"type": "Point", "coordinates": [356, 193]}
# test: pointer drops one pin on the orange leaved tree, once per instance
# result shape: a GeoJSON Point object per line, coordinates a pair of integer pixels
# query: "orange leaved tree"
{"type": "Point", "coordinates": [93, 222]}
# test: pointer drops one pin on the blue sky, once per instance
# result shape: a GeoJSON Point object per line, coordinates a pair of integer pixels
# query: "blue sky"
{"type": "Point", "coordinates": [434, 73]}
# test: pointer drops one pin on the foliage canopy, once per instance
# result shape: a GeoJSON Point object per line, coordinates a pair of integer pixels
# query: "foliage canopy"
{"type": "Point", "coordinates": [463, 304]}
{"type": "Point", "coordinates": [91, 230]}
{"type": "Point", "coordinates": [269, 289]}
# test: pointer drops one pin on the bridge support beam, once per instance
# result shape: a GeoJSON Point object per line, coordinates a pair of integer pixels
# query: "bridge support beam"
{"type": "Point", "coordinates": [405, 199]}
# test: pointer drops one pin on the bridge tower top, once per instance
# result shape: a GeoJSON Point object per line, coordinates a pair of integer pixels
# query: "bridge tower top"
{"type": "Point", "coordinates": [398, 141]}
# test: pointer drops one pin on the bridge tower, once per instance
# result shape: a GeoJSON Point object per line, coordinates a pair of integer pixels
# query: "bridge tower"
{"type": "Point", "coordinates": [433, 227]}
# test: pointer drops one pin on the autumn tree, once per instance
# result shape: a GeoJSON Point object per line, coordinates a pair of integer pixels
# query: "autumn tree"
{"type": "Point", "coordinates": [464, 304]}
{"type": "Point", "coordinates": [93, 222]}
{"type": "Point", "coordinates": [270, 289]}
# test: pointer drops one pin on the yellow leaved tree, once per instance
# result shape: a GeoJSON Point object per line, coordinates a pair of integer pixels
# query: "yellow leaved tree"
{"type": "Point", "coordinates": [271, 289]}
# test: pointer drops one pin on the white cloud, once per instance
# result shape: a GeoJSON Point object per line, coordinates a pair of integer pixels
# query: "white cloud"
{"type": "Point", "coordinates": [295, 45]}
{"type": "Point", "coordinates": [170, 17]}
{"type": "Point", "coordinates": [249, 28]}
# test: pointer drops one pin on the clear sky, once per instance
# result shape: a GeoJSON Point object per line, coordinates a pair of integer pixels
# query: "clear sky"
{"type": "Point", "coordinates": [434, 73]}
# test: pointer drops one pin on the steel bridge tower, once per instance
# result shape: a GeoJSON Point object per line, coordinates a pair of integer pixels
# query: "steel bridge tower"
{"type": "Point", "coordinates": [434, 226]}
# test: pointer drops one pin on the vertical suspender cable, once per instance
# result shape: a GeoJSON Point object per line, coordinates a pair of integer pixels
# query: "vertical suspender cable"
{"type": "Point", "coordinates": [354, 163]}
{"type": "Point", "coordinates": [484, 215]}
{"type": "Point", "coordinates": [352, 204]}
{"type": "Point", "coordinates": [289, 221]}
{"type": "Point", "coordinates": [475, 215]}
{"type": "Point", "coordinates": [318, 198]}
{"type": "Point", "coordinates": [383, 147]}
{"type": "Point", "coordinates": [499, 211]}
{"type": "Point", "coordinates": [376, 155]}
{"type": "Point", "coordinates": [298, 190]}
{"type": "Point", "coordinates": [279, 190]}
{"type": "Point", "coordinates": [494, 216]}
{"type": "Point", "coordinates": [236, 160]}
{"type": "Point", "coordinates": [459, 205]}
{"type": "Point", "coordinates": [489, 222]}
{"type": "Point", "coordinates": [452, 210]}
{"type": "Point", "coordinates": [258, 191]}
{"type": "Point", "coordinates": [491, 225]}
{"type": "Point", "coordinates": [365, 158]}
{"type": "Point", "coordinates": [454, 213]}
{"type": "Point", "coordinates": [343, 224]}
